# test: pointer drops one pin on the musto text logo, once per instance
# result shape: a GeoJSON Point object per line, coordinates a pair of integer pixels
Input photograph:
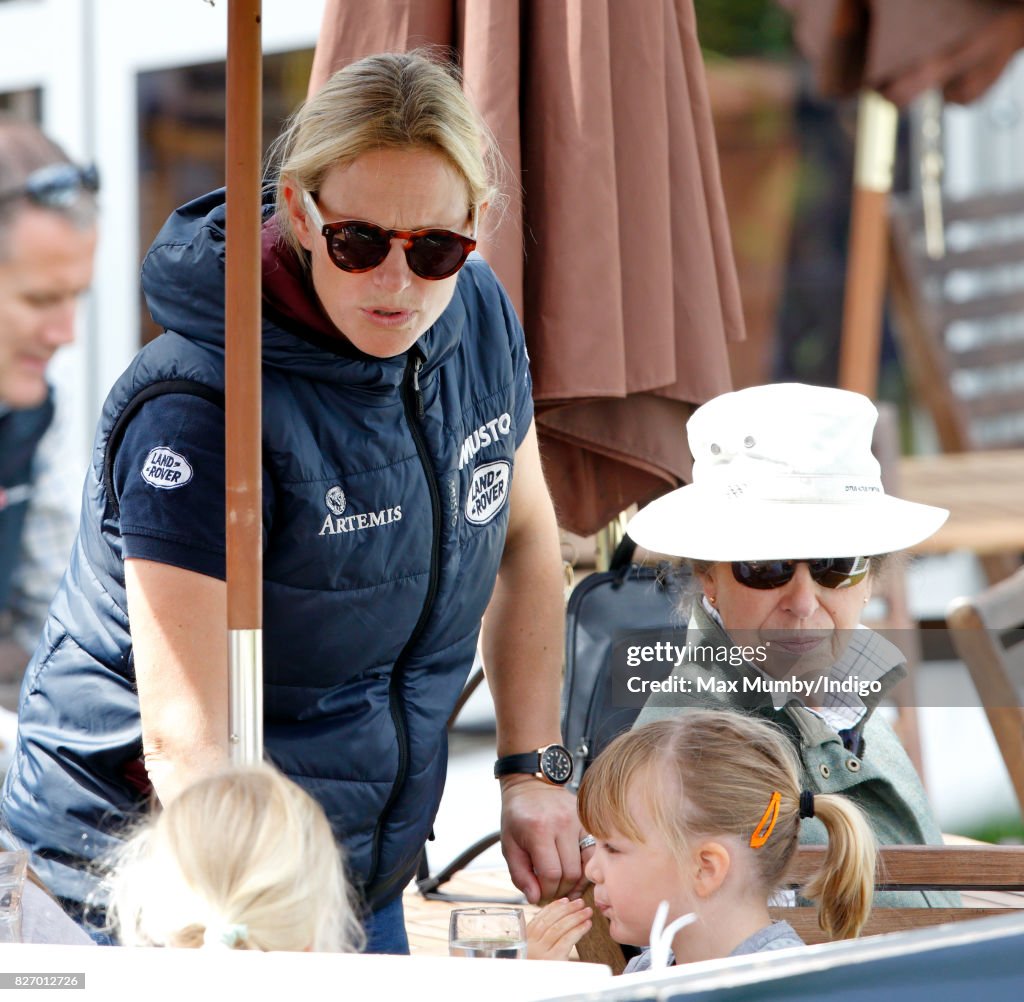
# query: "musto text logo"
{"type": "Point", "coordinates": [488, 491]}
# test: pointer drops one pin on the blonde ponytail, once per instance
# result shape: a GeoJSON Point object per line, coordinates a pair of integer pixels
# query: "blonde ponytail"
{"type": "Point", "coordinates": [845, 885]}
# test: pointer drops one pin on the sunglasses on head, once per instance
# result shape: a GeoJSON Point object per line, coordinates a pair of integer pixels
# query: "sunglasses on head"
{"type": "Point", "coordinates": [56, 186]}
{"type": "Point", "coordinates": [829, 572]}
{"type": "Point", "coordinates": [355, 245]}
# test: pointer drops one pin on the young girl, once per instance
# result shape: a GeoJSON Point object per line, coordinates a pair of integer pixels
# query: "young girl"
{"type": "Point", "coordinates": [242, 859]}
{"type": "Point", "coordinates": [703, 811]}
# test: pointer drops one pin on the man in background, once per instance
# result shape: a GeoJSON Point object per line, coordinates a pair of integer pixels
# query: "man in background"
{"type": "Point", "coordinates": [47, 239]}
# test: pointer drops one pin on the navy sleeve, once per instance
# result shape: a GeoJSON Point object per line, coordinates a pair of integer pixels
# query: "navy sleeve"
{"type": "Point", "coordinates": [169, 479]}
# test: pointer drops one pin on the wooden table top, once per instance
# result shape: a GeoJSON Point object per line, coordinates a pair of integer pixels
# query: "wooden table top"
{"type": "Point", "coordinates": [427, 921]}
{"type": "Point", "coordinates": [984, 492]}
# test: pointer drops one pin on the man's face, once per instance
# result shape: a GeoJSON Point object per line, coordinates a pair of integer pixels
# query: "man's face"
{"type": "Point", "coordinates": [48, 265]}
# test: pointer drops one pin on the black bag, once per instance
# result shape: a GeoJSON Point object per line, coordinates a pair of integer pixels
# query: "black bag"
{"type": "Point", "coordinates": [605, 610]}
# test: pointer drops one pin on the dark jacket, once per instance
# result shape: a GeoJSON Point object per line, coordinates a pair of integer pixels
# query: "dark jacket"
{"type": "Point", "coordinates": [20, 433]}
{"type": "Point", "coordinates": [385, 530]}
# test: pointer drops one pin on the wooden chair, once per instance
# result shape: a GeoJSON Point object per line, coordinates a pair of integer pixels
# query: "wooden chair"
{"type": "Point", "coordinates": [960, 323]}
{"type": "Point", "coordinates": [891, 593]}
{"type": "Point", "coordinates": [988, 633]}
{"type": "Point", "coordinates": [972, 869]}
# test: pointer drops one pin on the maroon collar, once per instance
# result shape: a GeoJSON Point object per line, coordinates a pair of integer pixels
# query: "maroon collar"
{"type": "Point", "coordinates": [289, 299]}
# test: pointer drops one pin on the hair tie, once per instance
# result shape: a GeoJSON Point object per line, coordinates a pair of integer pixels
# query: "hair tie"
{"type": "Point", "coordinates": [225, 935]}
{"type": "Point", "coordinates": [806, 803]}
{"type": "Point", "coordinates": [767, 822]}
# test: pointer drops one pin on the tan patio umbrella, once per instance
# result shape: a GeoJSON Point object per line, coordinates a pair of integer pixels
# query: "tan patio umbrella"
{"type": "Point", "coordinates": [242, 375]}
{"type": "Point", "coordinates": [614, 245]}
{"type": "Point", "coordinates": [866, 46]}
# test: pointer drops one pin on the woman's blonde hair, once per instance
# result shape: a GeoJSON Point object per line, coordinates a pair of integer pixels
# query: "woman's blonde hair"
{"type": "Point", "coordinates": [713, 773]}
{"type": "Point", "coordinates": [393, 100]}
{"type": "Point", "coordinates": [243, 858]}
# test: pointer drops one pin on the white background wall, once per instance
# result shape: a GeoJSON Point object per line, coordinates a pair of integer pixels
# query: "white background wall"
{"type": "Point", "coordinates": [85, 56]}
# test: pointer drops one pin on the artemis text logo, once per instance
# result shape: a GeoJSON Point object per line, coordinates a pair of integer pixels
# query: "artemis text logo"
{"type": "Point", "coordinates": [355, 522]}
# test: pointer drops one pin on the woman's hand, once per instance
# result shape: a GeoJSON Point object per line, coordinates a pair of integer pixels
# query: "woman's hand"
{"type": "Point", "coordinates": [556, 929]}
{"type": "Point", "coordinates": [540, 839]}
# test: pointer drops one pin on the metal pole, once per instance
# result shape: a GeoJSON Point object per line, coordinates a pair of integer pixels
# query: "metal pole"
{"type": "Point", "coordinates": [243, 422]}
{"type": "Point", "coordinates": [861, 343]}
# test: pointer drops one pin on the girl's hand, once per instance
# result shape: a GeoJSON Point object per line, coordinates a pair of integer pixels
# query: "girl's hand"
{"type": "Point", "coordinates": [556, 929]}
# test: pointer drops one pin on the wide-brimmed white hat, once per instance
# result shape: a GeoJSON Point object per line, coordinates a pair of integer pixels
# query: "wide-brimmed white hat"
{"type": "Point", "coordinates": [783, 472]}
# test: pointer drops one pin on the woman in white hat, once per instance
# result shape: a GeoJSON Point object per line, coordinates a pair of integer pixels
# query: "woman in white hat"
{"type": "Point", "coordinates": [786, 525]}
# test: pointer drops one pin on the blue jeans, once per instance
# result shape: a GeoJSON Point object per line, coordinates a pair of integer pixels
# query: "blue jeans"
{"type": "Point", "coordinates": [385, 929]}
{"type": "Point", "coordinates": [91, 924]}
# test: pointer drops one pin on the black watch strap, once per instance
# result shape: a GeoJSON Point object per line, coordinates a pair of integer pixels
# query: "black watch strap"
{"type": "Point", "coordinates": [552, 763]}
{"type": "Point", "coordinates": [511, 765]}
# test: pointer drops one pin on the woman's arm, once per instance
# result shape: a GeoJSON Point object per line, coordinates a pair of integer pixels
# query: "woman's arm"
{"type": "Point", "coordinates": [179, 634]}
{"type": "Point", "coordinates": [523, 632]}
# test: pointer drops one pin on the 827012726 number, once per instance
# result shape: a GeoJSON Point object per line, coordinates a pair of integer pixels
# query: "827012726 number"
{"type": "Point", "coordinates": [37, 980]}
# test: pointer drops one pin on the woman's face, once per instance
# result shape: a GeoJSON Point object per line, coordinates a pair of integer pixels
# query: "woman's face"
{"type": "Point", "coordinates": [801, 620]}
{"type": "Point", "coordinates": [385, 310]}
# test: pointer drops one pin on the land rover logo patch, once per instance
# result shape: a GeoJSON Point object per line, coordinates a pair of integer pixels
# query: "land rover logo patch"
{"type": "Point", "coordinates": [335, 500]}
{"type": "Point", "coordinates": [165, 469]}
{"type": "Point", "coordinates": [488, 491]}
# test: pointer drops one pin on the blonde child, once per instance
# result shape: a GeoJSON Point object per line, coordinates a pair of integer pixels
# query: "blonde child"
{"type": "Point", "coordinates": [703, 811]}
{"type": "Point", "coordinates": [243, 859]}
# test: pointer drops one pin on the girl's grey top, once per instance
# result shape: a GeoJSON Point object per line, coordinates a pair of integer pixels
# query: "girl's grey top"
{"type": "Point", "coordinates": [777, 936]}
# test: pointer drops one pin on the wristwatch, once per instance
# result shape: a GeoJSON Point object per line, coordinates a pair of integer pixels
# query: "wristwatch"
{"type": "Point", "coordinates": [553, 764]}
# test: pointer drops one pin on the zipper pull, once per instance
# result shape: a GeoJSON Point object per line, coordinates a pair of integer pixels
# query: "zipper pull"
{"type": "Point", "coordinates": [417, 364]}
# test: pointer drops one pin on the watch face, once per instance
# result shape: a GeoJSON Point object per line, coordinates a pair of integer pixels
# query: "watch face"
{"type": "Point", "coordinates": [556, 764]}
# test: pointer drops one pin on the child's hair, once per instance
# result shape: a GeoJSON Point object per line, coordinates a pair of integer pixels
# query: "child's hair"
{"type": "Point", "coordinates": [243, 858]}
{"type": "Point", "coordinates": [712, 773]}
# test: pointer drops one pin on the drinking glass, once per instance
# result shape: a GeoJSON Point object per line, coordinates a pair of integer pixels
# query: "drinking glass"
{"type": "Point", "coordinates": [13, 866]}
{"type": "Point", "coordinates": [487, 932]}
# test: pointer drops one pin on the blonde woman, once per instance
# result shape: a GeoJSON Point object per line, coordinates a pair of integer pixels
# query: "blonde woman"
{"type": "Point", "coordinates": [402, 497]}
{"type": "Point", "coordinates": [704, 813]}
{"type": "Point", "coordinates": [243, 859]}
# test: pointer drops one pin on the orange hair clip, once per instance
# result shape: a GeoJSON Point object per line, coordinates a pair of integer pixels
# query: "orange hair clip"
{"type": "Point", "coordinates": [767, 822]}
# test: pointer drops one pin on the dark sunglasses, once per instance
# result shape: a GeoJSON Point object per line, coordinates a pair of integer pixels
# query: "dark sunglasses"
{"type": "Point", "coordinates": [56, 186]}
{"type": "Point", "coordinates": [829, 572]}
{"type": "Point", "coordinates": [355, 245]}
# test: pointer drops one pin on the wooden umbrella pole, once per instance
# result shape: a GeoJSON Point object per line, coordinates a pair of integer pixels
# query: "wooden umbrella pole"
{"type": "Point", "coordinates": [861, 343]}
{"type": "Point", "coordinates": [243, 422]}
